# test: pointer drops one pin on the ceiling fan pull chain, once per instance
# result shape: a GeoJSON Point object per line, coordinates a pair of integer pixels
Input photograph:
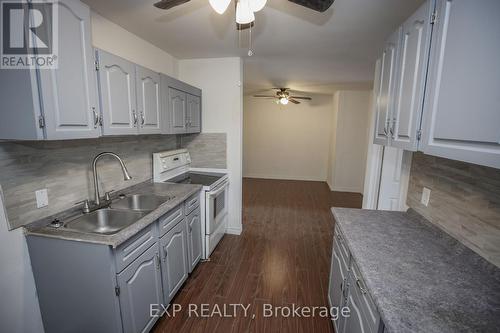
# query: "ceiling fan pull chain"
{"type": "Point", "coordinates": [250, 52]}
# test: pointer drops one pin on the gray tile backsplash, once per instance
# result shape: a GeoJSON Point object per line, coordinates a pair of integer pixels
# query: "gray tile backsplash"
{"type": "Point", "coordinates": [208, 150]}
{"type": "Point", "coordinates": [464, 201]}
{"type": "Point", "coordinates": [63, 167]}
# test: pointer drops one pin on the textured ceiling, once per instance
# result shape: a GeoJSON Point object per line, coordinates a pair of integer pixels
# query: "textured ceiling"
{"type": "Point", "coordinates": [292, 45]}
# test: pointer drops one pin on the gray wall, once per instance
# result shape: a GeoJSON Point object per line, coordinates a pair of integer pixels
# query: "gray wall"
{"type": "Point", "coordinates": [465, 201]}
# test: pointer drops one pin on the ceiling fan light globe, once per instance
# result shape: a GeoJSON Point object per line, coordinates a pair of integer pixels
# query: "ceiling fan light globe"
{"type": "Point", "coordinates": [256, 5]}
{"type": "Point", "coordinates": [283, 100]}
{"type": "Point", "coordinates": [219, 6]}
{"type": "Point", "coordinates": [244, 15]}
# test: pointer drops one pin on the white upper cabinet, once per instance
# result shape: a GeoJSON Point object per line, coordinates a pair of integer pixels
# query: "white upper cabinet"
{"type": "Point", "coordinates": [69, 93]}
{"type": "Point", "coordinates": [177, 108]}
{"type": "Point", "coordinates": [148, 101]}
{"type": "Point", "coordinates": [385, 100]}
{"type": "Point", "coordinates": [461, 118]}
{"type": "Point", "coordinates": [55, 104]}
{"type": "Point", "coordinates": [193, 114]}
{"type": "Point", "coordinates": [410, 82]}
{"type": "Point", "coordinates": [181, 111]}
{"type": "Point", "coordinates": [117, 95]}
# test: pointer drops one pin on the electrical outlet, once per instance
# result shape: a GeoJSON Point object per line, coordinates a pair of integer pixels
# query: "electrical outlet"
{"type": "Point", "coordinates": [426, 195]}
{"type": "Point", "coordinates": [42, 198]}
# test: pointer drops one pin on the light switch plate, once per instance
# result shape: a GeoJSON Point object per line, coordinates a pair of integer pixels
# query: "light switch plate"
{"type": "Point", "coordinates": [42, 198]}
{"type": "Point", "coordinates": [426, 195]}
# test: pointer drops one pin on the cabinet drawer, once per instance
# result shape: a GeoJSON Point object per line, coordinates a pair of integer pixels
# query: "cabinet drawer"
{"type": "Point", "coordinates": [192, 203]}
{"type": "Point", "coordinates": [127, 252]}
{"type": "Point", "coordinates": [169, 220]}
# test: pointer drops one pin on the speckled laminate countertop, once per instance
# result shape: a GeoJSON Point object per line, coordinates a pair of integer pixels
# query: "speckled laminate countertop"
{"type": "Point", "coordinates": [178, 192]}
{"type": "Point", "coordinates": [420, 278]}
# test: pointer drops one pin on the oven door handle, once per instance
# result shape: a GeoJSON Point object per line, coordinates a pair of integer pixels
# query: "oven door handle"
{"type": "Point", "coordinates": [218, 190]}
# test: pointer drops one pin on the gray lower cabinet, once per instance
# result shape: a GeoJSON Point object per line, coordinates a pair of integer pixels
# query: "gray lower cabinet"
{"type": "Point", "coordinates": [140, 285]}
{"type": "Point", "coordinates": [347, 289]}
{"type": "Point", "coordinates": [193, 223]}
{"type": "Point", "coordinates": [174, 260]}
{"type": "Point", "coordinates": [339, 284]}
{"type": "Point", "coordinates": [87, 287]}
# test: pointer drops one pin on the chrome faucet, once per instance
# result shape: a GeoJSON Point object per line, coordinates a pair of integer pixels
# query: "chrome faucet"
{"type": "Point", "coordinates": [126, 175]}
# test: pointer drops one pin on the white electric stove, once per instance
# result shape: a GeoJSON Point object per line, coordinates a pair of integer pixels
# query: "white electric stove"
{"type": "Point", "coordinates": [174, 166]}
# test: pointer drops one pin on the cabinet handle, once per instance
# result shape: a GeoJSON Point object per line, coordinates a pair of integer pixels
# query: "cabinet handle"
{"type": "Point", "coordinates": [96, 117]}
{"type": "Point", "coordinates": [385, 131]}
{"type": "Point", "coordinates": [142, 119]}
{"type": "Point", "coordinates": [135, 117]}
{"type": "Point", "coordinates": [190, 229]}
{"type": "Point", "coordinates": [165, 256]}
{"type": "Point", "coordinates": [361, 288]}
{"type": "Point", "coordinates": [157, 256]}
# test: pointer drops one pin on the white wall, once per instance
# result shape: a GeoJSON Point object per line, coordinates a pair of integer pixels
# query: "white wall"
{"type": "Point", "coordinates": [112, 38]}
{"type": "Point", "coordinates": [287, 142]}
{"type": "Point", "coordinates": [19, 310]}
{"type": "Point", "coordinates": [221, 80]}
{"type": "Point", "coordinates": [350, 140]}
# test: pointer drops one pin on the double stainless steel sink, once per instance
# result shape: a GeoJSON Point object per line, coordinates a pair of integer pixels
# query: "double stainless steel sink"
{"type": "Point", "coordinates": [120, 213]}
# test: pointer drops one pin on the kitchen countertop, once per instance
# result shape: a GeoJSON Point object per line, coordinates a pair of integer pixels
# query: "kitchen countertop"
{"type": "Point", "coordinates": [179, 192]}
{"type": "Point", "coordinates": [420, 278]}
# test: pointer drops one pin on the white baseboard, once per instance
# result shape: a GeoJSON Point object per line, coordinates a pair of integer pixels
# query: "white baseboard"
{"type": "Point", "coordinates": [283, 177]}
{"type": "Point", "coordinates": [346, 189]}
{"type": "Point", "coordinates": [234, 231]}
{"type": "Point", "coordinates": [330, 186]}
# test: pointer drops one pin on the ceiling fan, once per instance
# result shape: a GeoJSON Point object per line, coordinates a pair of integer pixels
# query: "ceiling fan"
{"type": "Point", "coordinates": [245, 8]}
{"type": "Point", "coordinates": [283, 96]}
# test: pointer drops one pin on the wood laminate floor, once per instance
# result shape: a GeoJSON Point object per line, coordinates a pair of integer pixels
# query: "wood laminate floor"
{"type": "Point", "coordinates": [281, 258]}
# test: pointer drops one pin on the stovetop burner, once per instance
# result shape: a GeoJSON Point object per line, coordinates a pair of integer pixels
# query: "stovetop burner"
{"type": "Point", "coordinates": [200, 178]}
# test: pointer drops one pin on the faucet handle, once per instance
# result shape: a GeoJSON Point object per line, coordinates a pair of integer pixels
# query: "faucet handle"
{"type": "Point", "coordinates": [107, 195]}
{"type": "Point", "coordinates": [86, 205]}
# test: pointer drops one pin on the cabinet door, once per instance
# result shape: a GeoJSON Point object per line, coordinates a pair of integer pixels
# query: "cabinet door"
{"type": "Point", "coordinates": [193, 114]}
{"type": "Point", "coordinates": [117, 94]}
{"type": "Point", "coordinates": [337, 289]}
{"type": "Point", "coordinates": [174, 260]}
{"type": "Point", "coordinates": [177, 109]}
{"type": "Point", "coordinates": [412, 71]}
{"type": "Point", "coordinates": [140, 286]}
{"type": "Point", "coordinates": [461, 114]}
{"type": "Point", "coordinates": [193, 223]}
{"type": "Point", "coordinates": [148, 100]}
{"type": "Point", "coordinates": [69, 93]}
{"type": "Point", "coordinates": [385, 98]}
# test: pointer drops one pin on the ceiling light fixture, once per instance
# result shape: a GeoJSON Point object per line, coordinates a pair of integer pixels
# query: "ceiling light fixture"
{"type": "Point", "coordinates": [244, 14]}
{"type": "Point", "coordinates": [219, 6]}
{"type": "Point", "coordinates": [284, 100]}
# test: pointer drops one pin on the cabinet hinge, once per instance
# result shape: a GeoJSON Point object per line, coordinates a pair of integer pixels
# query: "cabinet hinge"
{"type": "Point", "coordinates": [41, 121]}
{"type": "Point", "coordinates": [433, 17]}
{"type": "Point", "coordinates": [96, 65]}
{"type": "Point", "coordinates": [419, 135]}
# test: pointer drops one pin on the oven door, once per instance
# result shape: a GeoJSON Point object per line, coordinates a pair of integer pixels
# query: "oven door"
{"type": "Point", "coordinates": [216, 201]}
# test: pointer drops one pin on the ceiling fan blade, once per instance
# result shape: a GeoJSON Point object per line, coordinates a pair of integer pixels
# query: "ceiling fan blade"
{"type": "Point", "coordinates": [167, 4]}
{"type": "Point", "coordinates": [317, 5]}
{"type": "Point", "coordinates": [298, 97]}
{"type": "Point", "coordinates": [293, 101]}
{"type": "Point", "coordinates": [265, 96]}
